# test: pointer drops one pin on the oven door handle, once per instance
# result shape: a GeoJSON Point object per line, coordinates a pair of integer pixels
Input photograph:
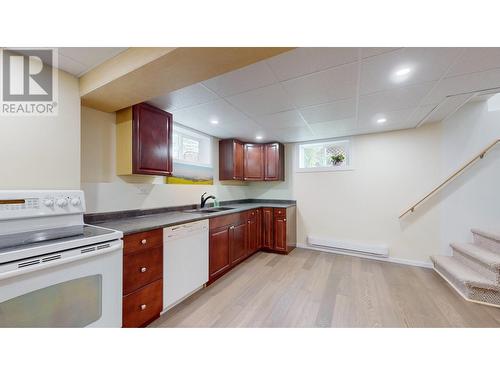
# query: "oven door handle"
{"type": "Point", "coordinates": [116, 245]}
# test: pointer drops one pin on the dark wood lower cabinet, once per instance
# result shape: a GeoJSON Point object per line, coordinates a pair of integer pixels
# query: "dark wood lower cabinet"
{"type": "Point", "coordinates": [219, 257]}
{"type": "Point", "coordinates": [280, 234]}
{"type": "Point", "coordinates": [143, 305]}
{"type": "Point", "coordinates": [235, 237]}
{"type": "Point", "coordinates": [142, 278]}
{"type": "Point", "coordinates": [258, 214]}
{"type": "Point", "coordinates": [267, 228]}
{"type": "Point", "coordinates": [253, 233]}
{"type": "Point", "coordinates": [238, 242]}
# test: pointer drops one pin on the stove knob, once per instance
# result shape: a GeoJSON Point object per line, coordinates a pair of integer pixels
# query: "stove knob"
{"type": "Point", "coordinates": [75, 202]}
{"type": "Point", "coordinates": [61, 202]}
{"type": "Point", "coordinates": [48, 202]}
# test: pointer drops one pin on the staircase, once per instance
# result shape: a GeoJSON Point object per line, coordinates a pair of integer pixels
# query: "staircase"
{"type": "Point", "coordinates": [474, 269]}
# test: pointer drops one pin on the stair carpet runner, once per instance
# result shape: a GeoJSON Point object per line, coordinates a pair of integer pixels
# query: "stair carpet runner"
{"type": "Point", "coordinates": [474, 269]}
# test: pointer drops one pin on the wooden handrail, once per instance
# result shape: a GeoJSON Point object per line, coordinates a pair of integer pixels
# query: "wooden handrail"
{"type": "Point", "coordinates": [479, 156]}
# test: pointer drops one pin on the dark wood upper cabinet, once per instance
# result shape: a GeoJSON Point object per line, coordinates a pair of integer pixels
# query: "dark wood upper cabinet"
{"type": "Point", "coordinates": [151, 141]}
{"type": "Point", "coordinates": [144, 141]}
{"type": "Point", "coordinates": [231, 159]}
{"type": "Point", "coordinates": [254, 162]}
{"type": "Point", "coordinates": [274, 162]}
{"type": "Point", "coordinates": [250, 161]}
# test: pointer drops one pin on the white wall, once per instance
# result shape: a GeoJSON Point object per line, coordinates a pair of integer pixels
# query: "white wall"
{"type": "Point", "coordinates": [362, 205]}
{"type": "Point", "coordinates": [391, 171]}
{"type": "Point", "coordinates": [104, 191]}
{"type": "Point", "coordinates": [472, 200]}
{"type": "Point", "coordinates": [43, 152]}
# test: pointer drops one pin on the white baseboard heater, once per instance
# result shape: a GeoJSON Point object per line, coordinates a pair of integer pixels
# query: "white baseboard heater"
{"type": "Point", "coordinates": [330, 244]}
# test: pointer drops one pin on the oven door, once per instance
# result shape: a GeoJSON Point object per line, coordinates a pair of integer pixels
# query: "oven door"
{"type": "Point", "coordinates": [83, 289]}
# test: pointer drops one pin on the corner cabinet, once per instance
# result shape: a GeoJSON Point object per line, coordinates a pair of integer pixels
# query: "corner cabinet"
{"type": "Point", "coordinates": [143, 141]}
{"type": "Point", "coordinates": [253, 166]}
{"type": "Point", "coordinates": [251, 161]}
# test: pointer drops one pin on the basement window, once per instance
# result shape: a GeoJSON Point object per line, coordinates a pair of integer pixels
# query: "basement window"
{"type": "Point", "coordinates": [323, 156]}
{"type": "Point", "coordinates": [190, 147]}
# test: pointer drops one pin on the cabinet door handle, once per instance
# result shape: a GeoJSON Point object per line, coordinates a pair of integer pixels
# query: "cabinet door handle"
{"type": "Point", "coordinates": [231, 227]}
{"type": "Point", "coordinates": [144, 241]}
{"type": "Point", "coordinates": [143, 269]}
{"type": "Point", "coordinates": [284, 219]}
{"type": "Point", "coordinates": [143, 307]}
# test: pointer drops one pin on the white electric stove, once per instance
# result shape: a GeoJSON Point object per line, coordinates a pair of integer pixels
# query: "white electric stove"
{"type": "Point", "coordinates": [56, 271]}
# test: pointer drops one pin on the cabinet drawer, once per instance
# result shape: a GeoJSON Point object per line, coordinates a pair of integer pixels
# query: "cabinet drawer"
{"type": "Point", "coordinates": [141, 268]}
{"type": "Point", "coordinates": [143, 240]}
{"type": "Point", "coordinates": [143, 305]}
{"type": "Point", "coordinates": [280, 212]}
{"type": "Point", "coordinates": [227, 220]}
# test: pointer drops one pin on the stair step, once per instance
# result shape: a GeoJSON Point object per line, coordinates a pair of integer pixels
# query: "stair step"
{"type": "Point", "coordinates": [489, 258]}
{"type": "Point", "coordinates": [492, 235]}
{"type": "Point", "coordinates": [463, 274]}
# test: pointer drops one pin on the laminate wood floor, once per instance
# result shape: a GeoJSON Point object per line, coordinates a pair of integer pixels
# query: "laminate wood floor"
{"type": "Point", "coordinates": [316, 289]}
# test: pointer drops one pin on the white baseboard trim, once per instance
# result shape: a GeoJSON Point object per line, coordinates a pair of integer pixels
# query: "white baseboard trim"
{"type": "Point", "coordinates": [408, 262]}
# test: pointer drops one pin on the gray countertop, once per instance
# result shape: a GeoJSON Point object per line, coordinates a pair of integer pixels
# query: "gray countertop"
{"type": "Point", "coordinates": [142, 223]}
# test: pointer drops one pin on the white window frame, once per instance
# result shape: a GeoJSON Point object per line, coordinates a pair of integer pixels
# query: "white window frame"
{"type": "Point", "coordinates": [348, 147]}
{"type": "Point", "coordinates": [202, 138]}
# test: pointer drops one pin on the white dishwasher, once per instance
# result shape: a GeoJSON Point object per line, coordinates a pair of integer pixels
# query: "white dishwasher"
{"type": "Point", "coordinates": [185, 261]}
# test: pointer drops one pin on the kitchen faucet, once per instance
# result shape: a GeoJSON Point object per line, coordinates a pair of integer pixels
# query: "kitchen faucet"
{"type": "Point", "coordinates": [204, 200]}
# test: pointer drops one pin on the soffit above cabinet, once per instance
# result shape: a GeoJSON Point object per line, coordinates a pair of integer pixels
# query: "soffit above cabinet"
{"type": "Point", "coordinates": [139, 74]}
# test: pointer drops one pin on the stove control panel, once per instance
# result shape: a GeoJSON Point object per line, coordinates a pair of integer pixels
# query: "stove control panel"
{"type": "Point", "coordinates": [18, 204]}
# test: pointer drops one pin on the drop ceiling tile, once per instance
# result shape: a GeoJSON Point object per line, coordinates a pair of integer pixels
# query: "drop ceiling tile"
{"type": "Point", "coordinates": [331, 129]}
{"type": "Point", "coordinates": [447, 108]}
{"type": "Point", "coordinates": [394, 100]}
{"type": "Point", "coordinates": [71, 66]}
{"type": "Point", "coordinates": [293, 135]}
{"type": "Point", "coordinates": [330, 111]}
{"type": "Point", "coordinates": [420, 114]}
{"type": "Point", "coordinates": [188, 96]}
{"type": "Point", "coordinates": [282, 120]}
{"type": "Point", "coordinates": [463, 84]}
{"type": "Point", "coordinates": [240, 80]}
{"type": "Point", "coordinates": [476, 60]}
{"type": "Point", "coordinates": [229, 119]}
{"type": "Point", "coordinates": [322, 87]}
{"type": "Point", "coordinates": [262, 101]}
{"type": "Point", "coordinates": [301, 61]}
{"type": "Point", "coordinates": [426, 64]}
{"type": "Point", "coordinates": [90, 56]}
{"type": "Point", "coordinates": [374, 51]}
{"type": "Point", "coordinates": [393, 118]}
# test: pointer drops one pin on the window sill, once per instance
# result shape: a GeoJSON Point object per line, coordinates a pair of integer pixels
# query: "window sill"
{"type": "Point", "coordinates": [313, 170]}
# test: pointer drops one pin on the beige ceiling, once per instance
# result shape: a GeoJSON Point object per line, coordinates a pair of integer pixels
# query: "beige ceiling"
{"type": "Point", "coordinates": [317, 93]}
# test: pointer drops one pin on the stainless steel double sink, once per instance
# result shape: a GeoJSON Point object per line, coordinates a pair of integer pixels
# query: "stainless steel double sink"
{"type": "Point", "coordinates": [209, 210]}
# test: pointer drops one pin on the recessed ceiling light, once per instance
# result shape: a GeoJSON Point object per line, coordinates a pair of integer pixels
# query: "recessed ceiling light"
{"type": "Point", "coordinates": [402, 72]}
{"type": "Point", "coordinates": [214, 122]}
{"type": "Point", "coordinates": [259, 137]}
{"type": "Point", "coordinates": [381, 120]}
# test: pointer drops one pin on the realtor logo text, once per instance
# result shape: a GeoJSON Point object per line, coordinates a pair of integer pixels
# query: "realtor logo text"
{"type": "Point", "coordinates": [28, 82]}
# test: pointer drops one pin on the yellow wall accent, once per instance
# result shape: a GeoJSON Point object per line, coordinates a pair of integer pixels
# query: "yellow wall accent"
{"type": "Point", "coordinates": [124, 142]}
